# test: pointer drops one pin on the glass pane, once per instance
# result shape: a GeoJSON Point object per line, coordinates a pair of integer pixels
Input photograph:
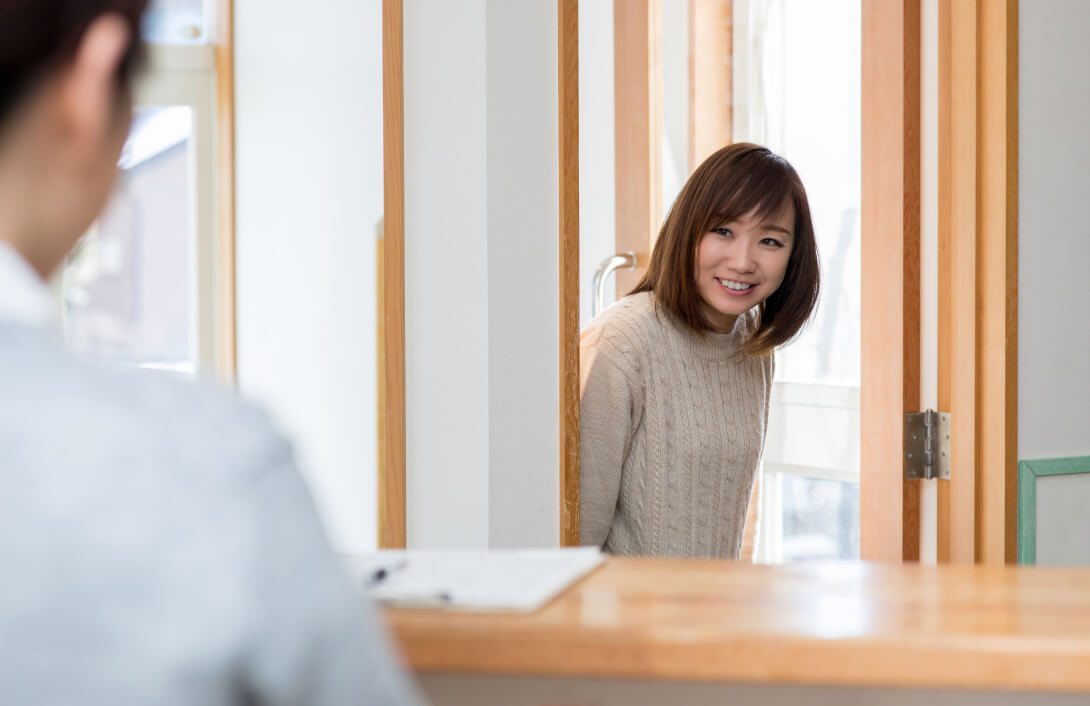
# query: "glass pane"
{"type": "Point", "coordinates": [820, 518]}
{"type": "Point", "coordinates": [176, 22]}
{"type": "Point", "coordinates": [129, 285]}
{"type": "Point", "coordinates": [799, 92]}
{"type": "Point", "coordinates": [802, 96]}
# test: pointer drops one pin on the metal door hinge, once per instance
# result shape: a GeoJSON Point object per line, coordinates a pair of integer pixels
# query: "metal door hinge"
{"type": "Point", "coordinates": [927, 445]}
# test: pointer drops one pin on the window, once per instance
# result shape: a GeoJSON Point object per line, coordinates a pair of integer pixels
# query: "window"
{"type": "Point", "coordinates": [139, 288]}
{"type": "Point", "coordinates": [797, 90]}
{"type": "Point", "coordinates": [128, 284]}
{"type": "Point", "coordinates": [177, 22]}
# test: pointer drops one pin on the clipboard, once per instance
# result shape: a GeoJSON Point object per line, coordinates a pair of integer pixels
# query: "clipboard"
{"type": "Point", "coordinates": [517, 580]}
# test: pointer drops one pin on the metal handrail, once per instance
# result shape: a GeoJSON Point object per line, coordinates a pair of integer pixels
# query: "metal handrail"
{"type": "Point", "coordinates": [604, 270]}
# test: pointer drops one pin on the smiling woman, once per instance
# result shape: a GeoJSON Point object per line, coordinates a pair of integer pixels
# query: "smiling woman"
{"type": "Point", "coordinates": [676, 377]}
{"type": "Point", "coordinates": [741, 262]}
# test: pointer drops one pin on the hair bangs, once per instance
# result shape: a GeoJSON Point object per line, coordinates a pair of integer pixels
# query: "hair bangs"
{"type": "Point", "coordinates": [768, 194]}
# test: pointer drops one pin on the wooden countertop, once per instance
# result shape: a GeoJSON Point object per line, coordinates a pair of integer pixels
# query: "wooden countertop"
{"type": "Point", "coordinates": [843, 624]}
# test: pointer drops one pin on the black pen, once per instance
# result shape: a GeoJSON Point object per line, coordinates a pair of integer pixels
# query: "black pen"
{"type": "Point", "coordinates": [383, 572]}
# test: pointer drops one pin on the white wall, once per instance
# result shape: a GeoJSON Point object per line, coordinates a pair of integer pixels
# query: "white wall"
{"type": "Point", "coordinates": [446, 274]}
{"type": "Point", "coordinates": [1054, 248]}
{"type": "Point", "coordinates": [309, 200]}
{"type": "Point", "coordinates": [523, 274]}
{"type": "Point", "coordinates": [481, 248]}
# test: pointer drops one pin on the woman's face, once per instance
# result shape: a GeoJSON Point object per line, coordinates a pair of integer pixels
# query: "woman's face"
{"type": "Point", "coordinates": [741, 263]}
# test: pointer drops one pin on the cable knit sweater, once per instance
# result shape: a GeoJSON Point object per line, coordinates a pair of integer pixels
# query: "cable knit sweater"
{"type": "Point", "coordinates": [671, 429]}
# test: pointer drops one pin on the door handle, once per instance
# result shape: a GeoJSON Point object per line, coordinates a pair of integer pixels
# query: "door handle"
{"type": "Point", "coordinates": [602, 273]}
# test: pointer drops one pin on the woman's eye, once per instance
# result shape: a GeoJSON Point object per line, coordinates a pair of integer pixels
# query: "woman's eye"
{"type": "Point", "coordinates": [723, 231]}
{"type": "Point", "coordinates": [773, 242]}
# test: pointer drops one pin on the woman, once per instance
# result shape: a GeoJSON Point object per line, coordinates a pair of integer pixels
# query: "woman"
{"type": "Point", "coordinates": [676, 376]}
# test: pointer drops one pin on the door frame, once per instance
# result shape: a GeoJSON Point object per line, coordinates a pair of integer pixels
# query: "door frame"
{"type": "Point", "coordinates": [977, 194]}
{"type": "Point", "coordinates": [978, 242]}
{"type": "Point", "coordinates": [391, 344]}
{"type": "Point", "coordinates": [568, 107]}
{"type": "Point", "coordinates": [889, 507]}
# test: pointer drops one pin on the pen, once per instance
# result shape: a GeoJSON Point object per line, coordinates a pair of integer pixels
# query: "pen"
{"type": "Point", "coordinates": [381, 573]}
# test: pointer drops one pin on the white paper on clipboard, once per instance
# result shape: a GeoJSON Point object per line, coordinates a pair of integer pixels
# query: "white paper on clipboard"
{"type": "Point", "coordinates": [520, 580]}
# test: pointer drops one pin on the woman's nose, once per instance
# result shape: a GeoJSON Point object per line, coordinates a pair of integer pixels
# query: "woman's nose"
{"type": "Point", "coordinates": [741, 258]}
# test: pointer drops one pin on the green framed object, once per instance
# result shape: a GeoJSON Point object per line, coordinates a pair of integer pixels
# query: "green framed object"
{"type": "Point", "coordinates": [1028, 473]}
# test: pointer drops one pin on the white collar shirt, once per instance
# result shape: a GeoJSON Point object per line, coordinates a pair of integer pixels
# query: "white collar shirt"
{"type": "Point", "coordinates": [24, 297]}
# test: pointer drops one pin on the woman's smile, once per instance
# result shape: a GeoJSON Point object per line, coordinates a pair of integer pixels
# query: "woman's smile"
{"type": "Point", "coordinates": [735, 288]}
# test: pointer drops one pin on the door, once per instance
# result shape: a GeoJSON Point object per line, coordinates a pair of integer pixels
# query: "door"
{"type": "Point", "coordinates": [811, 504]}
{"type": "Point", "coordinates": [970, 148]}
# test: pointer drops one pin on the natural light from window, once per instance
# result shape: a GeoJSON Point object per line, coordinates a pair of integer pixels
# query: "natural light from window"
{"type": "Point", "coordinates": [797, 90]}
{"type": "Point", "coordinates": [177, 22]}
{"type": "Point", "coordinates": [129, 285]}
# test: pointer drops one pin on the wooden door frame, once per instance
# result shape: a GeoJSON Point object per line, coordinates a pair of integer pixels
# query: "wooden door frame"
{"type": "Point", "coordinates": [391, 367]}
{"type": "Point", "coordinates": [997, 502]}
{"type": "Point", "coordinates": [890, 356]}
{"type": "Point", "coordinates": [638, 169]}
{"type": "Point", "coordinates": [568, 113]}
{"type": "Point", "coordinates": [392, 451]}
{"type": "Point", "coordinates": [711, 78]}
{"type": "Point", "coordinates": [637, 131]}
{"type": "Point", "coordinates": [978, 276]}
{"type": "Point", "coordinates": [891, 288]}
{"type": "Point", "coordinates": [391, 476]}
{"type": "Point", "coordinates": [984, 243]}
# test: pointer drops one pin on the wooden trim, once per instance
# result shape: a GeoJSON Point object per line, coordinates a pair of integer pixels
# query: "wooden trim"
{"type": "Point", "coordinates": [997, 497]}
{"type": "Point", "coordinates": [958, 173]}
{"type": "Point", "coordinates": [889, 506]}
{"type": "Point", "coordinates": [978, 273]}
{"type": "Point", "coordinates": [711, 81]}
{"type": "Point", "coordinates": [1028, 473]}
{"type": "Point", "coordinates": [392, 511]}
{"type": "Point", "coordinates": [637, 69]}
{"type": "Point", "coordinates": [226, 329]}
{"type": "Point", "coordinates": [568, 115]}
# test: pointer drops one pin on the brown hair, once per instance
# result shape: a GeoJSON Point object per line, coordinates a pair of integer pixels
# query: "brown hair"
{"type": "Point", "coordinates": [734, 181]}
{"type": "Point", "coordinates": [36, 36]}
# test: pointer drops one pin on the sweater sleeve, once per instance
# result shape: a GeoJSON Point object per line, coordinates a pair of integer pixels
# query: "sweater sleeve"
{"type": "Point", "coordinates": [610, 407]}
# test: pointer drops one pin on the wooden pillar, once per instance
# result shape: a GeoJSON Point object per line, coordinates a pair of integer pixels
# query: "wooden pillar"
{"type": "Point", "coordinates": [637, 67]}
{"type": "Point", "coordinates": [889, 506]}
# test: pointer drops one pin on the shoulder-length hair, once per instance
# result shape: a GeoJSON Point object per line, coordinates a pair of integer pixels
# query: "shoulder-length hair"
{"type": "Point", "coordinates": [736, 180]}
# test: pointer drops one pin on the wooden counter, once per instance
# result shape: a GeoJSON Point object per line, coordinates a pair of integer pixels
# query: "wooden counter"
{"type": "Point", "coordinates": [823, 624]}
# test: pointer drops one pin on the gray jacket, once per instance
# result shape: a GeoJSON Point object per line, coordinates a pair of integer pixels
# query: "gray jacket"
{"type": "Point", "coordinates": [157, 546]}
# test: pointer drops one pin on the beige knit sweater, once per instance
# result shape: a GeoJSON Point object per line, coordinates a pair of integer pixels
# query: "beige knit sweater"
{"type": "Point", "coordinates": [670, 433]}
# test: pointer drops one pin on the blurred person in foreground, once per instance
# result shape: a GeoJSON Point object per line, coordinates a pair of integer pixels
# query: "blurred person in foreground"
{"type": "Point", "coordinates": [158, 545]}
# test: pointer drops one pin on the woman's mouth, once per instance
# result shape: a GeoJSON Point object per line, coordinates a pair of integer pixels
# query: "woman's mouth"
{"type": "Point", "coordinates": [735, 288]}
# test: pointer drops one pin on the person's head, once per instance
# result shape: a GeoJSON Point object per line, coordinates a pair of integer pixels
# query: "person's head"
{"type": "Point", "coordinates": [65, 110]}
{"type": "Point", "coordinates": [738, 236]}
